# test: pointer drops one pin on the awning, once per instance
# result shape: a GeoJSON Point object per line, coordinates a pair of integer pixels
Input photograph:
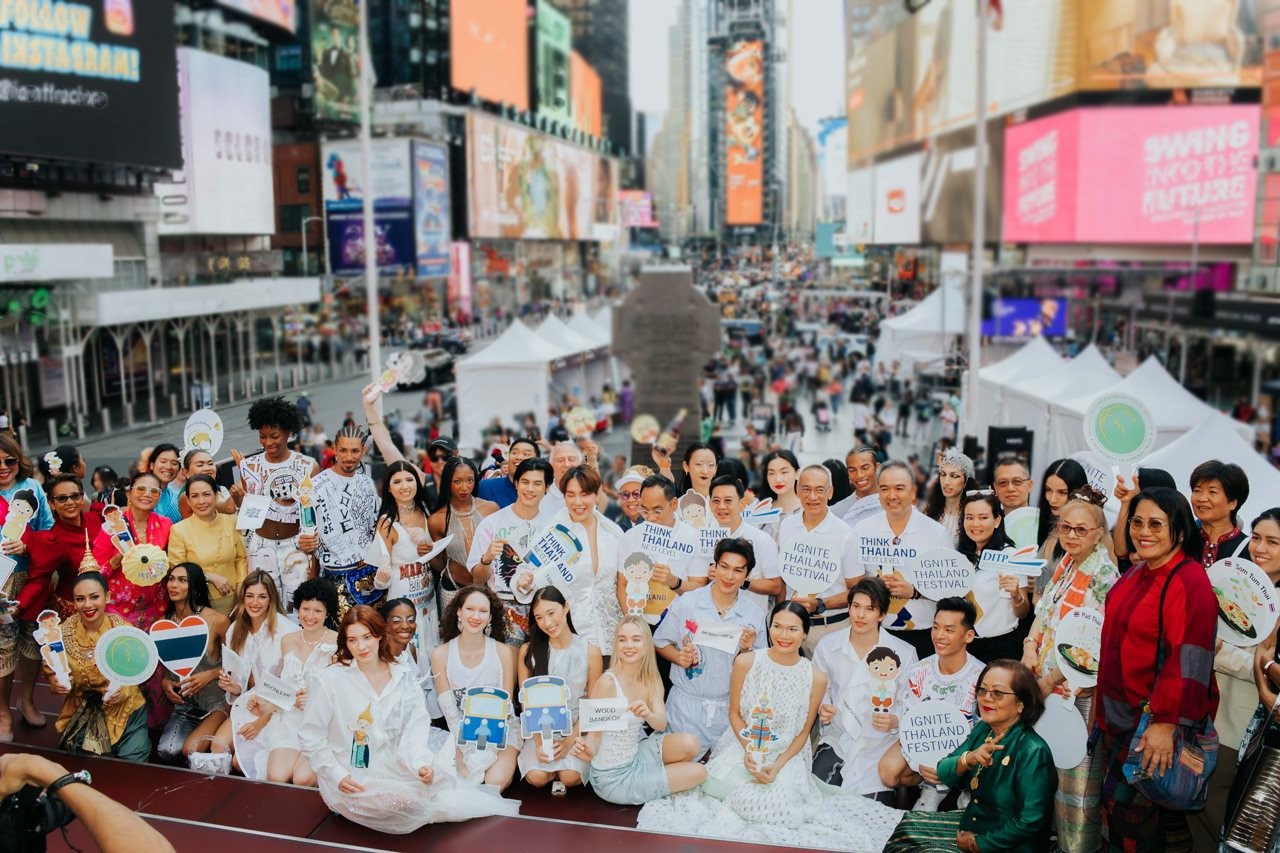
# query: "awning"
{"type": "Point", "coordinates": [121, 307]}
{"type": "Point", "coordinates": [124, 238]}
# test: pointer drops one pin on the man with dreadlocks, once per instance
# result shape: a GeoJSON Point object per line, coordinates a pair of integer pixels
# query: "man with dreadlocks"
{"type": "Point", "coordinates": [346, 511]}
{"type": "Point", "coordinates": [276, 472]}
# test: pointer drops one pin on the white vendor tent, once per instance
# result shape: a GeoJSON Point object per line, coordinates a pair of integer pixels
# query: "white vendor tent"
{"type": "Point", "coordinates": [581, 323]}
{"type": "Point", "coordinates": [1175, 409]}
{"type": "Point", "coordinates": [507, 379]}
{"type": "Point", "coordinates": [1217, 438]}
{"type": "Point", "coordinates": [583, 378]}
{"type": "Point", "coordinates": [925, 333]}
{"type": "Point", "coordinates": [1036, 360]}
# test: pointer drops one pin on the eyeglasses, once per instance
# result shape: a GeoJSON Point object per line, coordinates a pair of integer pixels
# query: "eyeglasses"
{"type": "Point", "coordinates": [144, 490]}
{"type": "Point", "coordinates": [1154, 526]}
{"type": "Point", "coordinates": [629, 496]}
{"type": "Point", "coordinates": [1065, 529]}
{"type": "Point", "coordinates": [997, 695]}
{"type": "Point", "coordinates": [1016, 482]}
{"type": "Point", "coordinates": [8, 462]}
{"type": "Point", "coordinates": [74, 497]}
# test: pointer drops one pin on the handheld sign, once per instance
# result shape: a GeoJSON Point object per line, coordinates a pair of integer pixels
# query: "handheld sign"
{"type": "Point", "coordinates": [602, 715]}
{"type": "Point", "coordinates": [1078, 647]}
{"type": "Point", "coordinates": [1247, 602]}
{"type": "Point", "coordinates": [883, 552]}
{"type": "Point", "coordinates": [637, 568]}
{"type": "Point", "coordinates": [52, 650]}
{"type": "Point", "coordinates": [126, 656]}
{"type": "Point", "coordinates": [117, 528]}
{"type": "Point", "coordinates": [484, 718]}
{"type": "Point", "coordinates": [1023, 526]}
{"type": "Point", "coordinates": [812, 562]}
{"type": "Point", "coordinates": [1119, 428]}
{"type": "Point", "coordinates": [1024, 563]}
{"type": "Point", "coordinates": [931, 731]}
{"type": "Point", "coordinates": [692, 508]}
{"type": "Point", "coordinates": [235, 666]}
{"type": "Point", "coordinates": [759, 733]}
{"type": "Point", "coordinates": [708, 538]}
{"type": "Point", "coordinates": [545, 700]}
{"type": "Point", "coordinates": [203, 431]}
{"type": "Point", "coordinates": [580, 422]}
{"type": "Point", "coordinates": [1063, 729]}
{"type": "Point", "coordinates": [555, 552]}
{"type": "Point", "coordinates": [718, 635]}
{"type": "Point", "coordinates": [253, 512]}
{"type": "Point", "coordinates": [938, 573]}
{"type": "Point", "coordinates": [644, 429]}
{"type": "Point", "coordinates": [22, 508]}
{"type": "Point", "coordinates": [180, 645]}
{"type": "Point", "coordinates": [276, 690]}
{"type": "Point", "coordinates": [403, 368]}
{"type": "Point", "coordinates": [761, 512]}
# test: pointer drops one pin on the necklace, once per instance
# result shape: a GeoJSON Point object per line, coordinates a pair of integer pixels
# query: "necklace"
{"type": "Point", "coordinates": [406, 509]}
{"type": "Point", "coordinates": [318, 639]}
{"type": "Point", "coordinates": [973, 784]}
{"type": "Point", "coordinates": [466, 522]}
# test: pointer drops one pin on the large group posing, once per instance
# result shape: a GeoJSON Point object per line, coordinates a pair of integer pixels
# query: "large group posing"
{"type": "Point", "coordinates": [342, 595]}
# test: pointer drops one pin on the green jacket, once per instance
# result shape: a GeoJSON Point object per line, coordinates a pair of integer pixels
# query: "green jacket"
{"type": "Point", "coordinates": [1012, 807]}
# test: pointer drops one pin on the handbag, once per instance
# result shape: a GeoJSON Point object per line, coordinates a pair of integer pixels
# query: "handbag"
{"type": "Point", "coordinates": [1184, 787]}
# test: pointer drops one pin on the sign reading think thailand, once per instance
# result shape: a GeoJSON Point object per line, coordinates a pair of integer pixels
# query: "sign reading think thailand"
{"type": "Point", "coordinates": [1247, 603]}
{"type": "Point", "coordinates": [1119, 427]}
{"type": "Point", "coordinates": [938, 573]}
{"type": "Point", "coordinates": [555, 551]}
{"type": "Point", "coordinates": [1079, 644]}
{"type": "Point", "coordinates": [931, 730]}
{"type": "Point", "coordinates": [882, 551]}
{"type": "Point", "coordinates": [811, 563]}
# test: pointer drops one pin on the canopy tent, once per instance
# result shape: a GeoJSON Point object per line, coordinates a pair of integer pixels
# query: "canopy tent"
{"type": "Point", "coordinates": [1218, 438]}
{"type": "Point", "coordinates": [581, 323]}
{"type": "Point", "coordinates": [585, 377]}
{"type": "Point", "coordinates": [508, 379]}
{"type": "Point", "coordinates": [561, 334]}
{"type": "Point", "coordinates": [1176, 410]}
{"type": "Point", "coordinates": [925, 333]}
{"type": "Point", "coordinates": [619, 369]}
{"type": "Point", "coordinates": [1036, 358]}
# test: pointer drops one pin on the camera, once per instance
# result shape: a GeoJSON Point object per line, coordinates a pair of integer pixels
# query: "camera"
{"type": "Point", "coordinates": [27, 816]}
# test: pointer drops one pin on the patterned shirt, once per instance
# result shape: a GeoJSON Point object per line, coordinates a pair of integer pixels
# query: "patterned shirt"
{"type": "Point", "coordinates": [346, 511]}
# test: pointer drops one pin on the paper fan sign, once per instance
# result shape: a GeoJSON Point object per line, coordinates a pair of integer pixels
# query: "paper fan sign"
{"type": "Point", "coordinates": [645, 429]}
{"type": "Point", "coordinates": [126, 656]}
{"type": "Point", "coordinates": [203, 432]}
{"type": "Point", "coordinates": [580, 422]}
{"type": "Point", "coordinates": [403, 368]}
{"type": "Point", "coordinates": [1120, 428]}
{"type": "Point", "coordinates": [1247, 602]}
{"type": "Point", "coordinates": [1023, 526]}
{"type": "Point", "coordinates": [938, 573]}
{"type": "Point", "coordinates": [812, 562]}
{"type": "Point", "coordinates": [1078, 647]}
{"type": "Point", "coordinates": [761, 512]}
{"type": "Point", "coordinates": [931, 731]}
{"type": "Point", "coordinates": [180, 645]}
{"type": "Point", "coordinates": [145, 565]}
{"type": "Point", "coordinates": [553, 556]}
{"type": "Point", "coordinates": [1063, 729]}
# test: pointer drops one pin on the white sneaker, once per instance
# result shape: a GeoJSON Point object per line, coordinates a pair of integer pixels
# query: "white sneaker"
{"type": "Point", "coordinates": [930, 798]}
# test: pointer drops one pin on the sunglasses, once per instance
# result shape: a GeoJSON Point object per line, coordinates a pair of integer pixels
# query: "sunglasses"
{"type": "Point", "coordinates": [8, 462]}
{"type": "Point", "coordinates": [143, 490]}
{"type": "Point", "coordinates": [629, 496]}
{"type": "Point", "coordinates": [74, 497]}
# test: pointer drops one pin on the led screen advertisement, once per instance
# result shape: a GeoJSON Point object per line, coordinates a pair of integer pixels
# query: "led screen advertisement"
{"type": "Point", "coordinates": [282, 13]}
{"type": "Point", "coordinates": [392, 190]}
{"type": "Point", "coordinates": [489, 48]}
{"type": "Point", "coordinates": [636, 208]}
{"type": "Point", "coordinates": [1026, 318]}
{"type": "Point", "coordinates": [96, 81]}
{"type": "Point", "coordinates": [586, 93]}
{"type": "Point", "coordinates": [554, 44]}
{"type": "Point", "coordinates": [744, 133]}
{"type": "Point", "coordinates": [1172, 176]}
{"type": "Point", "coordinates": [525, 185]}
{"type": "Point", "coordinates": [432, 231]}
{"type": "Point", "coordinates": [335, 55]}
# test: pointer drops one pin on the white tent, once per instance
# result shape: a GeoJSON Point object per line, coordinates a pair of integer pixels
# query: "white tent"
{"type": "Point", "coordinates": [508, 379]}
{"type": "Point", "coordinates": [1034, 359]}
{"type": "Point", "coordinates": [583, 377]}
{"type": "Point", "coordinates": [1217, 438]}
{"type": "Point", "coordinates": [923, 334]}
{"type": "Point", "coordinates": [1175, 409]}
{"type": "Point", "coordinates": [559, 333]}
{"type": "Point", "coordinates": [581, 323]}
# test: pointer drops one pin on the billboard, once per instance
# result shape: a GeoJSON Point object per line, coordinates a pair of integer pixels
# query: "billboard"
{"type": "Point", "coordinates": [860, 215]}
{"type": "Point", "coordinates": [527, 185]}
{"type": "Point", "coordinates": [458, 286]}
{"type": "Point", "coordinates": [431, 223]}
{"type": "Point", "coordinates": [1172, 175]}
{"type": "Point", "coordinates": [555, 38]}
{"type": "Point", "coordinates": [744, 134]}
{"type": "Point", "coordinates": [392, 191]}
{"type": "Point", "coordinates": [637, 209]}
{"type": "Point", "coordinates": [586, 93]}
{"type": "Point", "coordinates": [947, 182]}
{"type": "Point", "coordinates": [86, 85]}
{"type": "Point", "coordinates": [282, 13]}
{"type": "Point", "coordinates": [335, 54]}
{"type": "Point", "coordinates": [225, 185]}
{"type": "Point", "coordinates": [489, 50]}
{"type": "Point", "coordinates": [896, 204]}
{"type": "Point", "coordinates": [1026, 318]}
{"type": "Point", "coordinates": [1169, 44]}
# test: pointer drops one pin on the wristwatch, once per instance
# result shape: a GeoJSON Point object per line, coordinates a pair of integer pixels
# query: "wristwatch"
{"type": "Point", "coordinates": [822, 607]}
{"type": "Point", "coordinates": [80, 776]}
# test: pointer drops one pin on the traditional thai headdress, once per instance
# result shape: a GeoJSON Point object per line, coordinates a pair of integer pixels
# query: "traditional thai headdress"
{"type": "Point", "coordinates": [87, 562]}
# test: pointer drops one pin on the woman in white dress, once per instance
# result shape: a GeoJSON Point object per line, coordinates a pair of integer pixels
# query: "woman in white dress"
{"type": "Point", "coordinates": [401, 617]}
{"type": "Point", "coordinates": [759, 787]}
{"type": "Point", "coordinates": [554, 648]}
{"type": "Point", "coordinates": [474, 654]}
{"type": "Point", "coordinates": [366, 734]}
{"type": "Point", "coordinates": [257, 628]}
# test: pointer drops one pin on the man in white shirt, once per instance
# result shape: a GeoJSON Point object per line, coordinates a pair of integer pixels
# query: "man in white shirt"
{"type": "Point", "coordinates": [854, 736]}
{"type": "Point", "coordinates": [863, 465]}
{"type": "Point", "coordinates": [888, 540]}
{"type": "Point", "coordinates": [815, 520]}
{"type": "Point", "coordinates": [670, 543]}
{"type": "Point", "coordinates": [764, 582]}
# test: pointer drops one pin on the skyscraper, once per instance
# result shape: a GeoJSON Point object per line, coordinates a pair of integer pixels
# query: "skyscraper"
{"type": "Point", "coordinates": [600, 34]}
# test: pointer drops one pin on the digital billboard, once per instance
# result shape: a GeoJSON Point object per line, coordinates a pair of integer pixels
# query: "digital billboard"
{"type": "Point", "coordinates": [586, 94]}
{"type": "Point", "coordinates": [860, 214]}
{"type": "Point", "coordinates": [432, 231]}
{"type": "Point", "coordinates": [282, 13]}
{"type": "Point", "coordinates": [897, 201]}
{"type": "Point", "coordinates": [637, 209]}
{"type": "Point", "coordinates": [81, 83]}
{"type": "Point", "coordinates": [489, 49]}
{"type": "Point", "coordinates": [744, 133]}
{"type": "Point", "coordinates": [555, 39]}
{"type": "Point", "coordinates": [525, 185]}
{"type": "Point", "coordinates": [1173, 175]}
{"type": "Point", "coordinates": [1026, 318]}
{"type": "Point", "coordinates": [392, 190]}
{"type": "Point", "coordinates": [947, 183]}
{"type": "Point", "coordinates": [225, 184]}
{"type": "Point", "coordinates": [335, 56]}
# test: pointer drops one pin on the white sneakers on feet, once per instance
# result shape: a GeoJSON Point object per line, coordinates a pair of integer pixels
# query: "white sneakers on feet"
{"type": "Point", "coordinates": [930, 798]}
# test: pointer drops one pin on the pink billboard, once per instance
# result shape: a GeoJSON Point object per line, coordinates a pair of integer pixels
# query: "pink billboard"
{"type": "Point", "coordinates": [1132, 175]}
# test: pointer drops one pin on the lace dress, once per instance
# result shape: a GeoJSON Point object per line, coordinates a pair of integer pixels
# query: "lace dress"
{"type": "Point", "coordinates": [282, 731]}
{"type": "Point", "coordinates": [793, 811]}
{"type": "Point", "coordinates": [571, 664]}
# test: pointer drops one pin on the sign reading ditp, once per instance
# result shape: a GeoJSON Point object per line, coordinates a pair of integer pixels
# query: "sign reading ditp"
{"type": "Point", "coordinates": [930, 731]}
{"type": "Point", "coordinates": [811, 563]}
{"type": "Point", "coordinates": [938, 573]}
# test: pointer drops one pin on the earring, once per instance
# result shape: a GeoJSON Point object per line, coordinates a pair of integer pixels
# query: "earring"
{"type": "Point", "coordinates": [1019, 708]}
{"type": "Point", "coordinates": [488, 629]}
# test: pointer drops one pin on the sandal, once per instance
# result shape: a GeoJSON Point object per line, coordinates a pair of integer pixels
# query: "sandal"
{"type": "Point", "coordinates": [558, 788]}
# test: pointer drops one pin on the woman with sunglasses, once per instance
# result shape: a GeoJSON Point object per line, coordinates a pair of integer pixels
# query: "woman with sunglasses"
{"type": "Point", "coordinates": [210, 538]}
{"type": "Point", "coordinates": [140, 605]}
{"type": "Point", "coordinates": [1007, 768]}
{"type": "Point", "coordinates": [1082, 578]}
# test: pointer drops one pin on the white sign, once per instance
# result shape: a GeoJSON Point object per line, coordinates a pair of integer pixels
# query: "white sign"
{"type": "Point", "coordinates": [7, 565]}
{"type": "Point", "coordinates": [226, 184]}
{"type": "Point", "coordinates": [709, 538]}
{"type": "Point", "coordinates": [1024, 563]}
{"type": "Point", "coordinates": [1119, 428]}
{"type": "Point", "coordinates": [1247, 604]}
{"type": "Point", "coordinates": [1079, 645]}
{"type": "Point", "coordinates": [931, 731]}
{"type": "Point", "coordinates": [897, 201]}
{"type": "Point", "coordinates": [1063, 729]}
{"type": "Point", "coordinates": [602, 715]}
{"type": "Point", "coordinates": [719, 635]}
{"type": "Point", "coordinates": [276, 690]}
{"type": "Point", "coordinates": [938, 573]}
{"type": "Point", "coordinates": [666, 543]}
{"type": "Point", "coordinates": [55, 262]}
{"type": "Point", "coordinates": [812, 562]}
{"type": "Point", "coordinates": [1023, 526]}
{"type": "Point", "coordinates": [554, 553]}
{"type": "Point", "coordinates": [203, 431]}
{"type": "Point", "coordinates": [236, 667]}
{"type": "Point", "coordinates": [881, 551]}
{"type": "Point", "coordinates": [253, 512]}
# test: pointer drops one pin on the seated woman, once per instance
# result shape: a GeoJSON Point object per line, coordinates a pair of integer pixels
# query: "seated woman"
{"type": "Point", "coordinates": [1007, 767]}
{"type": "Point", "coordinates": [365, 732]}
{"type": "Point", "coordinates": [474, 654]}
{"type": "Point", "coordinates": [92, 720]}
{"type": "Point", "coordinates": [759, 787]}
{"type": "Point", "coordinates": [199, 705]}
{"type": "Point", "coordinates": [401, 616]}
{"type": "Point", "coordinates": [555, 649]}
{"type": "Point", "coordinates": [629, 767]}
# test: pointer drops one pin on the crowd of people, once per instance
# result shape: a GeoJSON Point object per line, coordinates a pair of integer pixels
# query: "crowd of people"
{"type": "Point", "coordinates": [379, 609]}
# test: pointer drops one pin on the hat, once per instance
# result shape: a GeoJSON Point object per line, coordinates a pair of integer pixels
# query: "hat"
{"type": "Point", "coordinates": [955, 459]}
{"type": "Point", "coordinates": [629, 477]}
{"type": "Point", "coordinates": [446, 444]}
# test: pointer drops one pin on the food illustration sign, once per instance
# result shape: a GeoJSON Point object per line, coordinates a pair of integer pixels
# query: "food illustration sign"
{"type": "Point", "coordinates": [1079, 644]}
{"type": "Point", "coordinates": [1247, 602]}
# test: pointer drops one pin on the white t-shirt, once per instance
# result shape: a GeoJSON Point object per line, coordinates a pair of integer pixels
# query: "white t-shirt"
{"type": "Point", "coordinates": [878, 553]}
{"type": "Point", "coordinates": [792, 527]}
{"type": "Point", "coordinates": [519, 533]}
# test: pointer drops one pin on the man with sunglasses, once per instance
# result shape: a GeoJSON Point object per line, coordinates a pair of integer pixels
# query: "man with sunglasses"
{"type": "Point", "coordinates": [439, 452]}
{"type": "Point", "coordinates": [628, 486]}
{"type": "Point", "coordinates": [502, 490]}
{"type": "Point", "coordinates": [1013, 483]}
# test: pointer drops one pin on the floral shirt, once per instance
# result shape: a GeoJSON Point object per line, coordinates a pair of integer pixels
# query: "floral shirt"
{"type": "Point", "coordinates": [1085, 584]}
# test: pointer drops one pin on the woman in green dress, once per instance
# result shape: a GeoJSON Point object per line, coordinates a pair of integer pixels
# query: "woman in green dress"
{"type": "Point", "coordinates": [1005, 766]}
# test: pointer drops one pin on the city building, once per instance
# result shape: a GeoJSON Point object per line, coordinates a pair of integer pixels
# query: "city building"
{"type": "Point", "coordinates": [803, 184]}
{"type": "Point", "coordinates": [601, 36]}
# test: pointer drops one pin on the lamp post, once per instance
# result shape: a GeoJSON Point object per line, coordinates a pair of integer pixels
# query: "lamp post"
{"type": "Point", "coordinates": [306, 266]}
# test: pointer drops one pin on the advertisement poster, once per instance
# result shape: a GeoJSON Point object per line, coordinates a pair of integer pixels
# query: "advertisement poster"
{"type": "Point", "coordinates": [335, 54]}
{"type": "Point", "coordinates": [637, 209]}
{"type": "Point", "coordinates": [524, 185]}
{"type": "Point", "coordinates": [947, 182]}
{"type": "Point", "coordinates": [604, 221]}
{"type": "Point", "coordinates": [744, 133]}
{"type": "Point", "coordinates": [860, 216]}
{"type": "Point", "coordinates": [226, 184]}
{"type": "Point", "coordinates": [431, 208]}
{"type": "Point", "coordinates": [586, 93]}
{"type": "Point", "coordinates": [282, 13]}
{"type": "Point", "coordinates": [555, 37]}
{"type": "Point", "coordinates": [459, 287]}
{"type": "Point", "coordinates": [85, 84]}
{"type": "Point", "coordinates": [1026, 318]}
{"type": "Point", "coordinates": [392, 192]}
{"type": "Point", "coordinates": [897, 201]}
{"type": "Point", "coordinates": [489, 48]}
